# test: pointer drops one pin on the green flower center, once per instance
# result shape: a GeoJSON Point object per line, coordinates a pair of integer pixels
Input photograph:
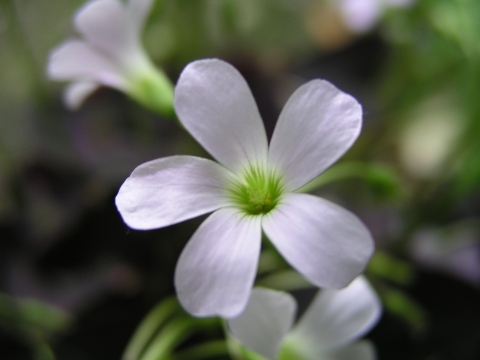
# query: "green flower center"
{"type": "Point", "coordinates": [257, 191]}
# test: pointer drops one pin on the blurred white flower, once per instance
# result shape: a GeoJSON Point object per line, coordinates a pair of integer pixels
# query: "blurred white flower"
{"type": "Point", "coordinates": [453, 249]}
{"type": "Point", "coordinates": [362, 15]}
{"type": "Point", "coordinates": [328, 330]}
{"type": "Point", "coordinates": [251, 189]}
{"type": "Point", "coordinates": [111, 54]}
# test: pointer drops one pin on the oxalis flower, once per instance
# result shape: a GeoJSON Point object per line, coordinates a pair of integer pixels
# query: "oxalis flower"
{"type": "Point", "coordinates": [111, 54]}
{"type": "Point", "coordinates": [328, 330]}
{"type": "Point", "coordinates": [253, 188]}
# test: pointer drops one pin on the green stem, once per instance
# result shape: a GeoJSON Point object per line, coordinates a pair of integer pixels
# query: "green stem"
{"type": "Point", "coordinates": [171, 335]}
{"type": "Point", "coordinates": [43, 352]}
{"type": "Point", "coordinates": [149, 326]}
{"type": "Point", "coordinates": [204, 351]}
{"type": "Point", "coordinates": [372, 173]}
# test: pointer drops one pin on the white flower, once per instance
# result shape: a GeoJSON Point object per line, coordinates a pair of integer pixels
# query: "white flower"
{"type": "Point", "coordinates": [328, 329]}
{"type": "Point", "coordinates": [453, 249]}
{"type": "Point", "coordinates": [363, 15]}
{"type": "Point", "coordinates": [110, 54]}
{"type": "Point", "coordinates": [251, 189]}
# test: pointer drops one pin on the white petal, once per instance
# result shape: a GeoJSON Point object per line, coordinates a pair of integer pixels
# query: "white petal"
{"type": "Point", "coordinates": [361, 350]}
{"type": "Point", "coordinates": [337, 317]}
{"type": "Point", "coordinates": [318, 124]}
{"type": "Point", "coordinates": [324, 242]}
{"type": "Point", "coordinates": [77, 60]}
{"type": "Point", "coordinates": [138, 11]}
{"type": "Point", "coordinates": [166, 191]}
{"type": "Point", "coordinates": [105, 25]}
{"type": "Point", "coordinates": [77, 92]}
{"type": "Point", "coordinates": [268, 317]}
{"type": "Point", "coordinates": [216, 270]}
{"type": "Point", "coordinates": [214, 103]}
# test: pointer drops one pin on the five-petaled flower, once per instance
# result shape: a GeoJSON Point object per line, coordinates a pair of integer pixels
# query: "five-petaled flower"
{"type": "Point", "coordinates": [253, 188]}
{"type": "Point", "coordinates": [111, 54]}
{"type": "Point", "coordinates": [328, 329]}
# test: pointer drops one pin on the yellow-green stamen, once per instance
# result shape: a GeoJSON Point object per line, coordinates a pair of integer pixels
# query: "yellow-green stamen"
{"type": "Point", "coordinates": [257, 191]}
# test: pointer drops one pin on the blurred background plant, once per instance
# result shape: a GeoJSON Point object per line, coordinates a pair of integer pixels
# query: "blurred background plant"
{"type": "Point", "coordinates": [76, 282]}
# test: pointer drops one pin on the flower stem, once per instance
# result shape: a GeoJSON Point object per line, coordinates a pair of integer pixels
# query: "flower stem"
{"type": "Point", "coordinates": [166, 340]}
{"type": "Point", "coordinates": [149, 326]}
{"type": "Point", "coordinates": [203, 351]}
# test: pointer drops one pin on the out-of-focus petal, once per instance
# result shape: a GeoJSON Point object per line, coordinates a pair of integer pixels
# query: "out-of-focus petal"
{"type": "Point", "coordinates": [361, 15]}
{"type": "Point", "coordinates": [105, 25]}
{"type": "Point", "coordinates": [166, 191]}
{"type": "Point", "coordinates": [361, 350]}
{"type": "Point", "coordinates": [216, 270]}
{"type": "Point", "coordinates": [337, 317]}
{"type": "Point", "coordinates": [318, 124]}
{"type": "Point", "coordinates": [268, 317]}
{"type": "Point", "coordinates": [138, 11]}
{"type": "Point", "coordinates": [324, 242]}
{"type": "Point", "coordinates": [214, 103]}
{"type": "Point", "coordinates": [75, 60]}
{"type": "Point", "coordinates": [77, 92]}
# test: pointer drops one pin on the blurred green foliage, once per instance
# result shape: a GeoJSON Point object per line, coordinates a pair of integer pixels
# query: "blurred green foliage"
{"type": "Point", "coordinates": [165, 328]}
{"type": "Point", "coordinates": [33, 322]}
{"type": "Point", "coordinates": [435, 50]}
